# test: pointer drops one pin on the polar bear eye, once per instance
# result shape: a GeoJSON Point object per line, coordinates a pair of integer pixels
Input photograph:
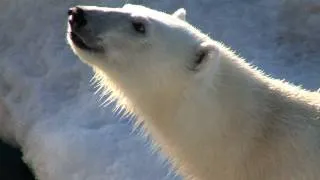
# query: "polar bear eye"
{"type": "Point", "coordinates": [139, 27]}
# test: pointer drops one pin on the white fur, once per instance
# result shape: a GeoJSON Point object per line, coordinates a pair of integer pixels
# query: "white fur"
{"type": "Point", "coordinates": [226, 121]}
{"type": "Point", "coordinates": [181, 14]}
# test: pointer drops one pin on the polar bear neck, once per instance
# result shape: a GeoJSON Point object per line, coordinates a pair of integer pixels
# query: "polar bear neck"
{"type": "Point", "coordinates": [222, 111]}
{"type": "Point", "coordinates": [239, 105]}
{"type": "Point", "coordinates": [232, 109]}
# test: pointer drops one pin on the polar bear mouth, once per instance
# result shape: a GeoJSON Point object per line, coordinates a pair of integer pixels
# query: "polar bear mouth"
{"type": "Point", "coordinates": [78, 41]}
{"type": "Point", "coordinates": [87, 42]}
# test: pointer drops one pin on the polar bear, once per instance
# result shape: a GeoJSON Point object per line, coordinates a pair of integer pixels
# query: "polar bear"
{"type": "Point", "coordinates": [214, 115]}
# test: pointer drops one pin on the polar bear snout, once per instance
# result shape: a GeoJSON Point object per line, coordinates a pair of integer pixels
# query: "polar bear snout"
{"type": "Point", "coordinates": [79, 32]}
{"type": "Point", "coordinates": [77, 17]}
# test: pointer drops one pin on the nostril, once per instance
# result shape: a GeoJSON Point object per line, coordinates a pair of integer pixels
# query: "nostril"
{"type": "Point", "coordinates": [70, 12]}
{"type": "Point", "coordinates": [77, 17]}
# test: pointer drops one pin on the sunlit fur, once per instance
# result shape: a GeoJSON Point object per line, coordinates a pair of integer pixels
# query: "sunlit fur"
{"type": "Point", "coordinates": [225, 121]}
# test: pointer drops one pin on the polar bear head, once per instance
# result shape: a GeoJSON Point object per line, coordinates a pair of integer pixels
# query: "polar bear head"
{"type": "Point", "coordinates": [136, 51]}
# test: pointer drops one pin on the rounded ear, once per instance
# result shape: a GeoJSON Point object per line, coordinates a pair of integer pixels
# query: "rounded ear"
{"type": "Point", "coordinates": [127, 5]}
{"type": "Point", "coordinates": [180, 14]}
{"type": "Point", "coordinates": [202, 56]}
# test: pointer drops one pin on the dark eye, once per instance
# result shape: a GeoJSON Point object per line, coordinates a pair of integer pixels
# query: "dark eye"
{"type": "Point", "coordinates": [139, 27]}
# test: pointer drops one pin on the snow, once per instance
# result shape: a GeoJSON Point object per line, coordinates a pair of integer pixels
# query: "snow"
{"type": "Point", "coordinates": [48, 106]}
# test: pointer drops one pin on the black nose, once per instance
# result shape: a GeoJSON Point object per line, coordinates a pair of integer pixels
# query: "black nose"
{"type": "Point", "coordinates": [77, 17]}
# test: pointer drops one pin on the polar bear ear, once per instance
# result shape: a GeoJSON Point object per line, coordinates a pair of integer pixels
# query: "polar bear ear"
{"type": "Point", "coordinates": [202, 56]}
{"type": "Point", "coordinates": [180, 13]}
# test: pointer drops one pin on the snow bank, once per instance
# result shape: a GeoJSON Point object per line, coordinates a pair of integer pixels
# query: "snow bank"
{"type": "Point", "coordinates": [48, 107]}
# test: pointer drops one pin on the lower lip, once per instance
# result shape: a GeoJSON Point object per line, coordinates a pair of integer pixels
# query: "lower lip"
{"type": "Point", "coordinates": [78, 41]}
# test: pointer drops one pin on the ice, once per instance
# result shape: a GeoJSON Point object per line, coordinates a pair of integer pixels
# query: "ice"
{"type": "Point", "coordinates": [48, 106]}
